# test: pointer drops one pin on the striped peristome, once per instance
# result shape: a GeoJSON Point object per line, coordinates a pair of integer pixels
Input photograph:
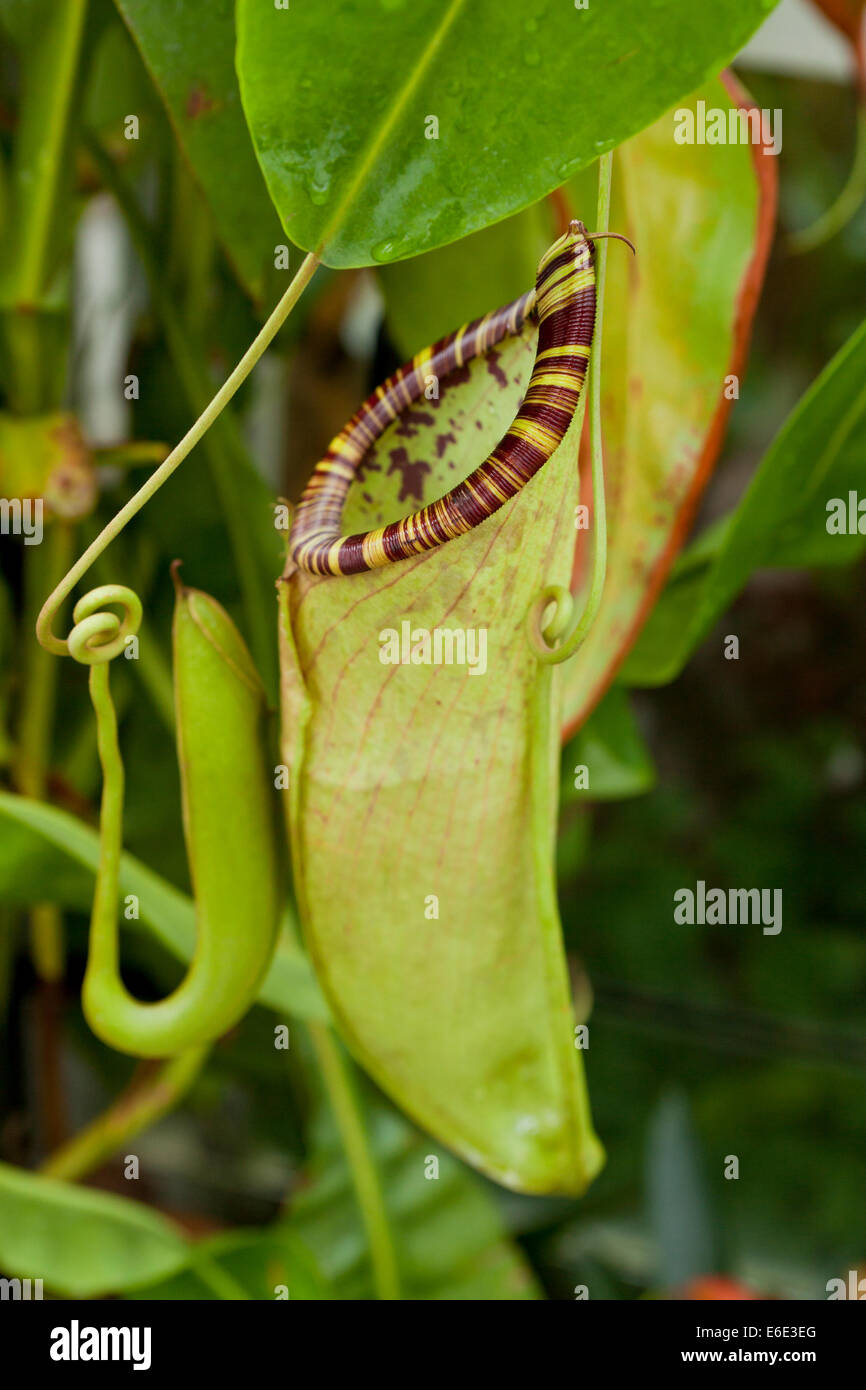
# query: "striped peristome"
{"type": "Point", "coordinates": [563, 303]}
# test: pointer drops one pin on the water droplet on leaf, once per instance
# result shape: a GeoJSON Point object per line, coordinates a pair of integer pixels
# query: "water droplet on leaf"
{"type": "Point", "coordinates": [570, 167]}
{"type": "Point", "coordinates": [383, 251]}
{"type": "Point", "coordinates": [318, 188]}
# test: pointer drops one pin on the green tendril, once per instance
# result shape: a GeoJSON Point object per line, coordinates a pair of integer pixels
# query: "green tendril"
{"type": "Point", "coordinates": [849, 201]}
{"type": "Point", "coordinates": [160, 475]}
{"type": "Point", "coordinates": [561, 627]}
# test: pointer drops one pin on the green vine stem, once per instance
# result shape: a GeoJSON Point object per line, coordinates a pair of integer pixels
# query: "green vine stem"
{"type": "Point", "coordinates": [365, 1177]}
{"type": "Point", "coordinates": [218, 1279]}
{"type": "Point", "coordinates": [220, 703]}
{"type": "Point", "coordinates": [224, 446]}
{"type": "Point", "coordinates": [60, 646]}
{"type": "Point", "coordinates": [44, 126]}
{"type": "Point", "coordinates": [559, 626]}
{"type": "Point", "coordinates": [839, 214]}
{"type": "Point", "coordinates": [153, 1092]}
{"type": "Point", "coordinates": [152, 666]}
{"type": "Point", "coordinates": [41, 163]}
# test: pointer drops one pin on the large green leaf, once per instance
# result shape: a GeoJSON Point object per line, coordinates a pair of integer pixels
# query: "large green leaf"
{"type": "Point", "coordinates": [80, 1242]}
{"type": "Point", "coordinates": [339, 100]}
{"type": "Point", "coordinates": [190, 54]}
{"type": "Point", "coordinates": [48, 855]}
{"type": "Point", "coordinates": [676, 325]}
{"type": "Point", "coordinates": [816, 457]}
{"type": "Point", "coordinates": [417, 780]}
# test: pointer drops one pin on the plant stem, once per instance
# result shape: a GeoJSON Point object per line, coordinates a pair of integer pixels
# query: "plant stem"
{"type": "Point", "coordinates": [209, 414]}
{"type": "Point", "coordinates": [31, 761]}
{"type": "Point", "coordinates": [226, 452]}
{"type": "Point", "coordinates": [39, 147]}
{"type": "Point", "coordinates": [45, 566]}
{"type": "Point", "coordinates": [31, 333]}
{"type": "Point", "coordinates": [839, 214]}
{"type": "Point", "coordinates": [149, 1096]}
{"type": "Point", "coordinates": [151, 666]}
{"type": "Point", "coordinates": [368, 1187]}
{"type": "Point", "coordinates": [217, 1279]}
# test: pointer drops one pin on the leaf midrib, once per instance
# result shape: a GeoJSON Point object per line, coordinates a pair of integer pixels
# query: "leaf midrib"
{"type": "Point", "coordinates": [374, 148]}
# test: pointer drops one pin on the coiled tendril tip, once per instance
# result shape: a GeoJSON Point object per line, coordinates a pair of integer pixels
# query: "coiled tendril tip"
{"type": "Point", "coordinates": [544, 635]}
{"type": "Point", "coordinates": [99, 635]}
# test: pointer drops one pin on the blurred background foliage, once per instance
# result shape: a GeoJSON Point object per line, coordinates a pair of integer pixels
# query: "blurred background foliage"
{"type": "Point", "coordinates": [705, 1041]}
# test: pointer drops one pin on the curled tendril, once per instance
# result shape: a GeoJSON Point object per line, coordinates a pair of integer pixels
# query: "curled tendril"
{"type": "Point", "coordinates": [101, 641]}
{"type": "Point", "coordinates": [544, 635]}
{"type": "Point", "coordinates": [100, 635]}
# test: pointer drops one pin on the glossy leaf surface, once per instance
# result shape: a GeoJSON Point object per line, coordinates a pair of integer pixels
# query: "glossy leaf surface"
{"type": "Point", "coordinates": [356, 169]}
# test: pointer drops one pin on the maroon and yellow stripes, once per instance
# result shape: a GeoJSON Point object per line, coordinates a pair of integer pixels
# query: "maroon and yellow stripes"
{"type": "Point", "coordinates": [563, 302]}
